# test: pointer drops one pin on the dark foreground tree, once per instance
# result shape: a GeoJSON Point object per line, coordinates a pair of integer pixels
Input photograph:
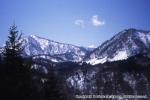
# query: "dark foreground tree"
{"type": "Point", "coordinates": [55, 88]}
{"type": "Point", "coordinates": [16, 82]}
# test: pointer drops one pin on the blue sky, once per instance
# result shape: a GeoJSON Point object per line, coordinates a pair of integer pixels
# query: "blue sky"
{"type": "Point", "coordinates": [79, 22]}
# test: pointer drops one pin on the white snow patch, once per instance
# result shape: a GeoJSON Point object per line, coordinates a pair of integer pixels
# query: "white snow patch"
{"type": "Point", "coordinates": [121, 55]}
{"type": "Point", "coordinates": [97, 61]}
{"type": "Point", "coordinates": [54, 60]}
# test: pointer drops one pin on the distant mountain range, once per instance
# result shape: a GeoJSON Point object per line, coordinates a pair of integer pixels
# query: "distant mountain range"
{"type": "Point", "coordinates": [123, 45]}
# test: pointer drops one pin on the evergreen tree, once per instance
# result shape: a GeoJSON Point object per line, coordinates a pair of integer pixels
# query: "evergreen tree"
{"type": "Point", "coordinates": [13, 50]}
{"type": "Point", "coordinates": [16, 76]}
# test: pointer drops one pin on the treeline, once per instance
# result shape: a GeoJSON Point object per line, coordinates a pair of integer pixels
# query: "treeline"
{"type": "Point", "coordinates": [17, 79]}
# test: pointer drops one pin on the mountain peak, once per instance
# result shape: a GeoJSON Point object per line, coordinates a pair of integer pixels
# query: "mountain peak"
{"type": "Point", "coordinates": [131, 29]}
{"type": "Point", "coordinates": [134, 30]}
{"type": "Point", "coordinates": [126, 43]}
{"type": "Point", "coordinates": [33, 36]}
{"type": "Point", "coordinates": [43, 42]}
{"type": "Point", "coordinates": [37, 37]}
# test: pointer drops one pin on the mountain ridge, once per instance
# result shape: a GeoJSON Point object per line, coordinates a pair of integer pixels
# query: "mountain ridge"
{"type": "Point", "coordinates": [35, 45]}
{"type": "Point", "coordinates": [125, 44]}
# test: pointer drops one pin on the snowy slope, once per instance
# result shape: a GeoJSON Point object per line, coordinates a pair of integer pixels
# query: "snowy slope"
{"type": "Point", "coordinates": [125, 44]}
{"type": "Point", "coordinates": [45, 48]}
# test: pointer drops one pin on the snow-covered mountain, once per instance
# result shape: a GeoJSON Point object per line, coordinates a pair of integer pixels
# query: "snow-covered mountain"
{"type": "Point", "coordinates": [41, 47]}
{"type": "Point", "coordinates": [125, 44]}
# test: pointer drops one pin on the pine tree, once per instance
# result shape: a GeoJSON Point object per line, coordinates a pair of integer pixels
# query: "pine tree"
{"type": "Point", "coordinates": [16, 77]}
